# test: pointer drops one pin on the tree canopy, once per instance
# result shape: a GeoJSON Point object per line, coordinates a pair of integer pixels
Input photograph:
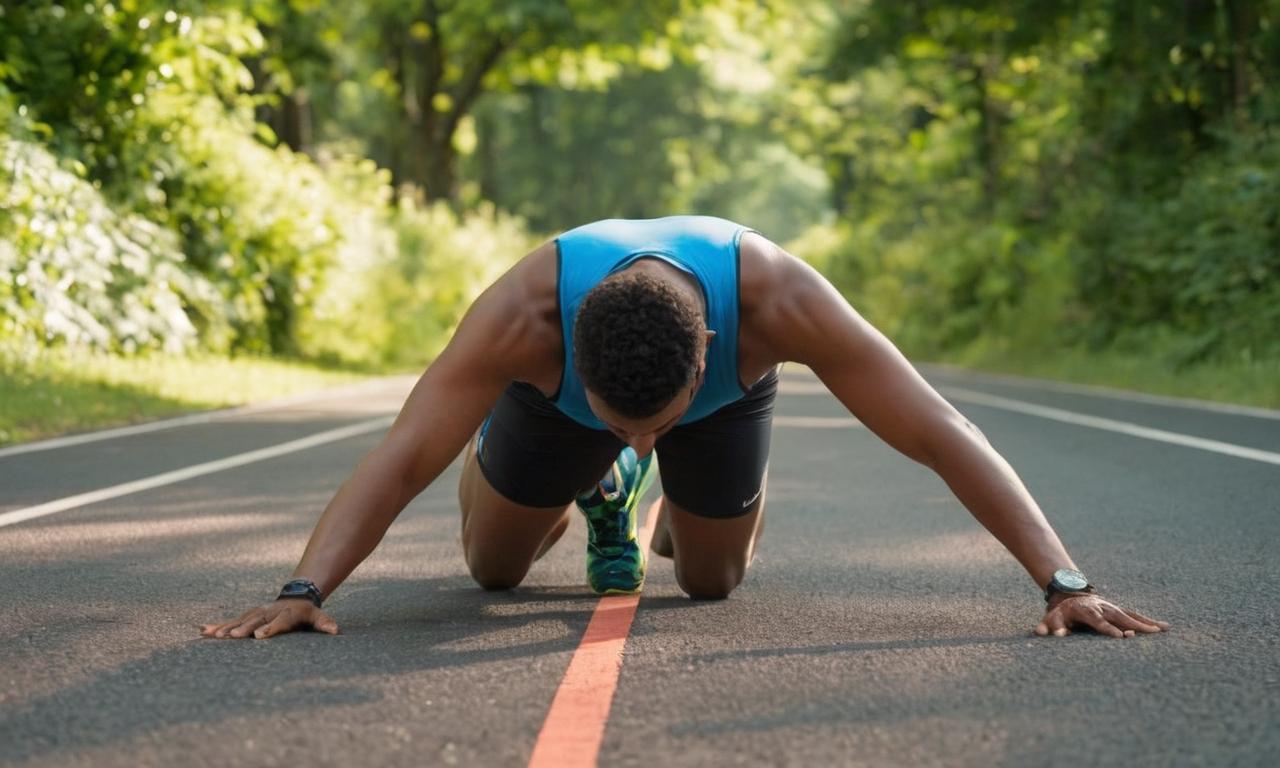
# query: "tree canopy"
{"type": "Point", "coordinates": [244, 174]}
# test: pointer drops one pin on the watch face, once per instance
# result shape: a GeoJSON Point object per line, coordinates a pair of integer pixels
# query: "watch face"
{"type": "Point", "coordinates": [1070, 580]}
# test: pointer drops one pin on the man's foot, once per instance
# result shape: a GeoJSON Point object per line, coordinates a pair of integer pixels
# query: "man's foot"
{"type": "Point", "coordinates": [615, 562]}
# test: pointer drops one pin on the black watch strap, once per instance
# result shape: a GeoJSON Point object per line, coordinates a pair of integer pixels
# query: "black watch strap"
{"type": "Point", "coordinates": [302, 589]}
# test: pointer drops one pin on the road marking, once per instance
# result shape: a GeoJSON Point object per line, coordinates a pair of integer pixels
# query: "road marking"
{"type": "Point", "coordinates": [195, 418]}
{"type": "Point", "coordinates": [574, 728]}
{"type": "Point", "coordinates": [1110, 425]}
{"type": "Point", "coordinates": [178, 475]}
{"type": "Point", "coordinates": [1111, 392]}
{"type": "Point", "coordinates": [816, 422]}
{"type": "Point", "coordinates": [802, 381]}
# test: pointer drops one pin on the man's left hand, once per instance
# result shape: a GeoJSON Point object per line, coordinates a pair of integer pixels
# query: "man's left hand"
{"type": "Point", "coordinates": [1068, 612]}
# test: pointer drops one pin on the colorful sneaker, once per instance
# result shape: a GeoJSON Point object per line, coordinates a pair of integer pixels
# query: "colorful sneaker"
{"type": "Point", "coordinates": [615, 561]}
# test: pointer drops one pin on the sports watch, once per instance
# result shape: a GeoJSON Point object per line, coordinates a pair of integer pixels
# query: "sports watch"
{"type": "Point", "coordinates": [1068, 582]}
{"type": "Point", "coordinates": [301, 589]}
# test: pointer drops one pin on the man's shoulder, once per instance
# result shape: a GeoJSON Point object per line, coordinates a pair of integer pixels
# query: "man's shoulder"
{"type": "Point", "coordinates": [532, 282]}
{"type": "Point", "coordinates": [517, 320]}
{"type": "Point", "coordinates": [766, 272]}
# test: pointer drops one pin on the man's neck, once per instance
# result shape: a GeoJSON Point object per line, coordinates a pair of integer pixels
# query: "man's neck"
{"type": "Point", "coordinates": [681, 280]}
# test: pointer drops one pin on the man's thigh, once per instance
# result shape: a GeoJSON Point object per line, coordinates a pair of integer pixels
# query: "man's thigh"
{"type": "Point", "coordinates": [520, 473]}
{"type": "Point", "coordinates": [715, 467]}
{"type": "Point", "coordinates": [535, 456]}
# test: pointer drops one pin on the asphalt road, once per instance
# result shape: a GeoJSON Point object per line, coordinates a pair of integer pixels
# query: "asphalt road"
{"type": "Point", "coordinates": [880, 624]}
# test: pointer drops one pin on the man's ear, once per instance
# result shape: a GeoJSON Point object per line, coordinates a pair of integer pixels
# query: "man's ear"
{"type": "Point", "coordinates": [708, 335]}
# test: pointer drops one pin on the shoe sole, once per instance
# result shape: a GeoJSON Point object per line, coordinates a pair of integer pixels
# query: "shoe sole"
{"type": "Point", "coordinates": [615, 591]}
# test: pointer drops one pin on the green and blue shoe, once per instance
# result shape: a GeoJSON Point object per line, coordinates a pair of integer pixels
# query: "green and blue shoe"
{"type": "Point", "coordinates": [615, 561]}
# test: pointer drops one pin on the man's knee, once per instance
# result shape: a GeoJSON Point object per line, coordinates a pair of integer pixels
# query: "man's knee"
{"type": "Point", "coordinates": [709, 584]}
{"type": "Point", "coordinates": [493, 575]}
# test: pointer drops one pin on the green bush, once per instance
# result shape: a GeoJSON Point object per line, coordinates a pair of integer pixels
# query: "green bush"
{"type": "Point", "coordinates": [144, 208]}
{"type": "Point", "coordinates": [75, 271]}
{"type": "Point", "coordinates": [1189, 271]}
{"type": "Point", "coordinates": [399, 307]}
{"type": "Point", "coordinates": [1200, 263]}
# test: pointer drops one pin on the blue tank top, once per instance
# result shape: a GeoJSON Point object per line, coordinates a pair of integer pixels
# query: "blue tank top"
{"type": "Point", "coordinates": [702, 246]}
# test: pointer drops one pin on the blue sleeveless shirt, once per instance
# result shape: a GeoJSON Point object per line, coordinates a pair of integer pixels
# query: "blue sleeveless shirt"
{"type": "Point", "coordinates": [702, 246]}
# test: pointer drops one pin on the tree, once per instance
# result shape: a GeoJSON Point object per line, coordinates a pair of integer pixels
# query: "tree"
{"type": "Point", "coordinates": [439, 57]}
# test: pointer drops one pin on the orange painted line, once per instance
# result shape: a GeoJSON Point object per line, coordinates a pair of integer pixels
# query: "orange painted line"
{"type": "Point", "coordinates": [574, 728]}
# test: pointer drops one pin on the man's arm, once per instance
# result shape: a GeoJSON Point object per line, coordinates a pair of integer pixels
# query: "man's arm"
{"type": "Point", "coordinates": [496, 342]}
{"type": "Point", "coordinates": [814, 325]}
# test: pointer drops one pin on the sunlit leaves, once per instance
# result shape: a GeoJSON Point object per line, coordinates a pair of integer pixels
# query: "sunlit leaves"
{"type": "Point", "coordinates": [72, 270]}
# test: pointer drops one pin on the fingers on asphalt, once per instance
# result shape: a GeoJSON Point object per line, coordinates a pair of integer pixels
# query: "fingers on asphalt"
{"type": "Point", "coordinates": [249, 626]}
{"type": "Point", "coordinates": [1127, 621]}
{"type": "Point", "coordinates": [1159, 625]}
{"type": "Point", "coordinates": [1052, 624]}
{"type": "Point", "coordinates": [325, 623]}
{"type": "Point", "coordinates": [1104, 627]}
{"type": "Point", "coordinates": [283, 622]}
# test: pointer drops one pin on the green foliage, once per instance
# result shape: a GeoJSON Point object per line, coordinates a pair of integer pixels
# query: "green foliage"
{"type": "Point", "coordinates": [1201, 262]}
{"type": "Point", "coordinates": [400, 309]}
{"type": "Point", "coordinates": [73, 270]}
{"type": "Point", "coordinates": [1013, 171]}
{"type": "Point", "coordinates": [683, 133]}
{"type": "Point", "coordinates": [973, 174]}
{"type": "Point", "coordinates": [164, 218]}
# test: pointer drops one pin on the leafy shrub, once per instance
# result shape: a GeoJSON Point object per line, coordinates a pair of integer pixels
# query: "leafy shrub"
{"type": "Point", "coordinates": [399, 307]}
{"type": "Point", "coordinates": [1201, 262]}
{"type": "Point", "coordinates": [73, 270]}
{"type": "Point", "coordinates": [144, 208]}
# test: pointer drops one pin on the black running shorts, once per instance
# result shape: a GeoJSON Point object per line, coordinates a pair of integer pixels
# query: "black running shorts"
{"type": "Point", "coordinates": [534, 455]}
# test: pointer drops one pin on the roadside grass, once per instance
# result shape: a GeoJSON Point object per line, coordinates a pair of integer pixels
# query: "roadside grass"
{"type": "Point", "coordinates": [1244, 382]}
{"type": "Point", "coordinates": [54, 392]}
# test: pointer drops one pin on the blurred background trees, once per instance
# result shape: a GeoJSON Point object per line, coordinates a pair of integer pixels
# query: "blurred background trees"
{"type": "Point", "coordinates": [337, 180]}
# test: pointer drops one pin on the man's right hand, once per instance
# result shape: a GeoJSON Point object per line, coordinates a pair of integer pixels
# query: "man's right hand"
{"type": "Point", "coordinates": [273, 619]}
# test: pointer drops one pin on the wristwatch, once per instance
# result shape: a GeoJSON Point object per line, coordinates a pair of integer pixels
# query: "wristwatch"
{"type": "Point", "coordinates": [1068, 582]}
{"type": "Point", "coordinates": [301, 589]}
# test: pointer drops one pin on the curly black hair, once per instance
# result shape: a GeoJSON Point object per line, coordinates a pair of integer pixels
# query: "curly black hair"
{"type": "Point", "coordinates": [636, 343]}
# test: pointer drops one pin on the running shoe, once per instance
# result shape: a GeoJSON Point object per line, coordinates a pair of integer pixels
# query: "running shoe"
{"type": "Point", "coordinates": [615, 561]}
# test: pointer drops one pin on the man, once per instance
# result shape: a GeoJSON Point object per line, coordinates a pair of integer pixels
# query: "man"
{"type": "Point", "coordinates": [622, 337]}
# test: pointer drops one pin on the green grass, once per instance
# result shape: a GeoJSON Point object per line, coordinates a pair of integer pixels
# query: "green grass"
{"type": "Point", "coordinates": [54, 392]}
{"type": "Point", "coordinates": [1244, 382]}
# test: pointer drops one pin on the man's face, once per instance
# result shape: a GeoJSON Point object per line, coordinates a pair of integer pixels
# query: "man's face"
{"type": "Point", "coordinates": [641, 434]}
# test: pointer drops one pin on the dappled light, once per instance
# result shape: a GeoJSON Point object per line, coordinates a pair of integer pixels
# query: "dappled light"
{"type": "Point", "coordinates": [338, 181]}
{"type": "Point", "coordinates": [323, 327]}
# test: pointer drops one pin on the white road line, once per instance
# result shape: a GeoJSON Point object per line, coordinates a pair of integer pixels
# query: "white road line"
{"type": "Point", "coordinates": [798, 380]}
{"type": "Point", "coordinates": [816, 422]}
{"type": "Point", "coordinates": [178, 475]}
{"type": "Point", "coordinates": [1110, 425]}
{"type": "Point", "coordinates": [1110, 392]}
{"type": "Point", "coordinates": [195, 418]}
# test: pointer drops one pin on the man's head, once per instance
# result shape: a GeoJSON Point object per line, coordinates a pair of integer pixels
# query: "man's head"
{"type": "Point", "coordinates": [638, 344]}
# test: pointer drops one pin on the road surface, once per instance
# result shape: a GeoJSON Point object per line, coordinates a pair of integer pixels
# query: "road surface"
{"type": "Point", "coordinates": [880, 624]}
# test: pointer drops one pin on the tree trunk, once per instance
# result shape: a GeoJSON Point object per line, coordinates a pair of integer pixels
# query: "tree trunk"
{"type": "Point", "coordinates": [1242, 21]}
{"type": "Point", "coordinates": [1198, 21]}
{"type": "Point", "coordinates": [292, 122]}
{"type": "Point", "coordinates": [435, 162]}
{"type": "Point", "coordinates": [988, 132]}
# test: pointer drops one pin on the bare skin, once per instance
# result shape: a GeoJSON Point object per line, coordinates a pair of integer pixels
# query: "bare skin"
{"type": "Point", "coordinates": [788, 312]}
